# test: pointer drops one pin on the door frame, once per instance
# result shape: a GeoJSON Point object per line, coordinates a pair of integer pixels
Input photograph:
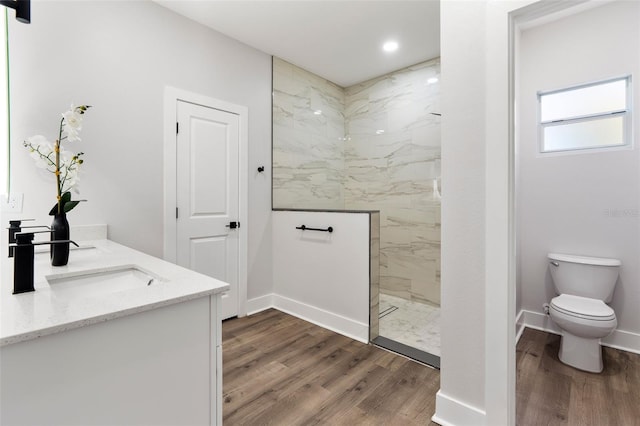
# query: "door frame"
{"type": "Point", "coordinates": [171, 97]}
{"type": "Point", "coordinates": [506, 20]}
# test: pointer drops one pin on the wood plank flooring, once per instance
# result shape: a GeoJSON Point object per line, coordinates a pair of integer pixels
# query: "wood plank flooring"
{"type": "Point", "coordinates": [549, 392]}
{"type": "Point", "coordinates": [280, 370]}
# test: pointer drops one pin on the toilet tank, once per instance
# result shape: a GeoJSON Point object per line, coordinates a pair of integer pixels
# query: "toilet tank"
{"type": "Point", "coordinates": [593, 277]}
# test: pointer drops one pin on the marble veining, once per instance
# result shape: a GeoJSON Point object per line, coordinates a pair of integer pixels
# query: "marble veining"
{"type": "Point", "coordinates": [393, 163]}
{"type": "Point", "coordinates": [308, 139]}
{"type": "Point", "coordinates": [375, 145]}
{"type": "Point", "coordinates": [412, 323]}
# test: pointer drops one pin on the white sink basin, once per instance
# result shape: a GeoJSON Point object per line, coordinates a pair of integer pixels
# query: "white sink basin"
{"type": "Point", "coordinates": [96, 282]}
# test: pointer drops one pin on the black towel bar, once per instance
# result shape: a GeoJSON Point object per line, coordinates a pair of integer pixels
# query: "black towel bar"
{"type": "Point", "coordinates": [306, 228]}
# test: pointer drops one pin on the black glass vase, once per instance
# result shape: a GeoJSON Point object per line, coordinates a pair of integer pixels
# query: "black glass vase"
{"type": "Point", "coordinates": [59, 231]}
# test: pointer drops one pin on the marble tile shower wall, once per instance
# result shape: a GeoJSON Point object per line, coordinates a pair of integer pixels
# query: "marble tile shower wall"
{"type": "Point", "coordinates": [308, 139]}
{"type": "Point", "coordinates": [374, 146]}
{"type": "Point", "coordinates": [392, 160]}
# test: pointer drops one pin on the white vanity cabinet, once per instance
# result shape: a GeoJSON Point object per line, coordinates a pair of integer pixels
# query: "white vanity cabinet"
{"type": "Point", "coordinates": [126, 360]}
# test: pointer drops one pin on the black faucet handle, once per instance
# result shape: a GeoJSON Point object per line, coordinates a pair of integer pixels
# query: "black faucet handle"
{"type": "Point", "coordinates": [14, 230]}
{"type": "Point", "coordinates": [15, 226]}
{"type": "Point", "coordinates": [19, 239]}
{"type": "Point", "coordinates": [26, 240]}
{"type": "Point", "coordinates": [17, 222]}
{"type": "Point", "coordinates": [40, 243]}
{"type": "Point", "coordinates": [27, 237]}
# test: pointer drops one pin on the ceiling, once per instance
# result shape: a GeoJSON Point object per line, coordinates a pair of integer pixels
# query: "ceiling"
{"type": "Point", "coordinates": [340, 40]}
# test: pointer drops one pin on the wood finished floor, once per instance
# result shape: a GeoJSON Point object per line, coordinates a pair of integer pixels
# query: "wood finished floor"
{"type": "Point", "coordinates": [552, 393]}
{"type": "Point", "coordinates": [280, 370]}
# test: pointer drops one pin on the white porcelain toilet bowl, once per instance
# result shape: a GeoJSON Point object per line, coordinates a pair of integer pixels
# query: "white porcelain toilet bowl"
{"type": "Point", "coordinates": [583, 322]}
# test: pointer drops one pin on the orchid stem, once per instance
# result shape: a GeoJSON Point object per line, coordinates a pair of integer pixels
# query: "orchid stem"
{"type": "Point", "coordinates": [57, 149]}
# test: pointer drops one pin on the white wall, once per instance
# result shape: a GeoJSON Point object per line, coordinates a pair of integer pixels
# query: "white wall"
{"type": "Point", "coordinates": [118, 57]}
{"type": "Point", "coordinates": [579, 203]}
{"type": "Point", "coordinates": [478, 386]}
{"type": "Point", "coordinates": [477, 383]}
{"type": "Point", "coordinates": [319, 276]}
{"type": "Point", "coordinates": [463, 215]}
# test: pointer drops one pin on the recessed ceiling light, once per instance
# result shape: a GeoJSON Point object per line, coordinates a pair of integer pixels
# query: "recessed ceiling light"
{"type": "Point", "coordinates": [317, 112]}
{"type": "Point", "coordinates": [379, 132]}
{"type": "Point", "coordinates": [390, 46]}
{"type": "Point", "coordinates": [432, 80]}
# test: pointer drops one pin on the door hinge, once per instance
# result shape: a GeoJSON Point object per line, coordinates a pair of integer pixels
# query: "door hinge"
{"type": "Point", "coordinates": [176, 212]}
{"type": "Point", "coordinates": [177, 127]}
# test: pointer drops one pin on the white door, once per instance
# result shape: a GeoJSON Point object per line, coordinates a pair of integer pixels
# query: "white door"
{"type": "Point", "coordinates": [208, 194]}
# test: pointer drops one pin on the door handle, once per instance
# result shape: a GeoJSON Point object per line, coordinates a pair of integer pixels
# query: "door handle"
{"type": "Point", "coordinates": [233, 225]}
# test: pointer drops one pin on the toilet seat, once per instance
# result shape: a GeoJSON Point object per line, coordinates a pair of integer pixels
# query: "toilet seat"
{"type": "Point", "coordinates": [583, 307]}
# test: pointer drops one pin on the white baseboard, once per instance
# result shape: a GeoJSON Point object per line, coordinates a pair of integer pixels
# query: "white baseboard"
{"type": "Point", "coordinates": [451, 412]}
{"type": "Point", "coordinates": [334, 322]}
{"type": "Point", "coordinates": [329, 320]}
{"type": "Point", "coordinates": [619, 339]}
{"type": "Point", "coordinates": [259, 304]}
{"type": "Point", "coordinates": [623, 340]}
{"type": "Point", "coordinates": [519, 326]}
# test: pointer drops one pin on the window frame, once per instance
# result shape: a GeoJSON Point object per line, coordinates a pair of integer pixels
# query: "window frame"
{"type": "Point", "coordinates": [626, 115]}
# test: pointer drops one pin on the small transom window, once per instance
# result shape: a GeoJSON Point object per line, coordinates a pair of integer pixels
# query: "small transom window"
{"type": "Point", "coordinates": [594, 115]}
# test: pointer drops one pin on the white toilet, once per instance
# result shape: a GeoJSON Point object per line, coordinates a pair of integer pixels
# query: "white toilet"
{"type": "Point", "coordinates": [584, 285]}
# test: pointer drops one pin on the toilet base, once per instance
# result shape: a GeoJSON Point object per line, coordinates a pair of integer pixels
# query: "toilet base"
{"type": "Point", "coordinates": [583, 354]}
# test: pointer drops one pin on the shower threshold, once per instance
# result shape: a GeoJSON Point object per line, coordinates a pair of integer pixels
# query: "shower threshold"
{"type": "Point", "coordinates": [408, 351]}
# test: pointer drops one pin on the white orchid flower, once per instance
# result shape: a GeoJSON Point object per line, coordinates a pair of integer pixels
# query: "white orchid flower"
{"type": "Point", "coordinates": [55, 159]}
{"type": "Point", "coordinates": [76, 186]}
{"type": "Point", "coordinates": [38, 140]}
{"type": "Point", "coordinates": [71, 135]}
{"type": "Point", "coordinates": [65, 156]}
{"type": "Point", "coordinates": [72, 123]}
{"type": "Point", "coordinates": [73, 118]}
{"type": "Point", "coordinates": [71, 183]}
{"type": "Point", "coordinates": [42, 152]}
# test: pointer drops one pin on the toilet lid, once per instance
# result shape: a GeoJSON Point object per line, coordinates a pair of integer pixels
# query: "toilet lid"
{"type": "Point", "coordinates": [583, 307]}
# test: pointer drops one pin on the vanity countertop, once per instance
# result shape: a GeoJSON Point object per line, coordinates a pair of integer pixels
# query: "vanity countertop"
{"type": "Point", "coordinates": [47, 311]}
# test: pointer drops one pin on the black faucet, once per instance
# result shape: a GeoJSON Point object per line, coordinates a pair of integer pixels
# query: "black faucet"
{"type": "Point", "coordinates": [15, 226]}
{"type": "Point", "coordinates": [23, 256]}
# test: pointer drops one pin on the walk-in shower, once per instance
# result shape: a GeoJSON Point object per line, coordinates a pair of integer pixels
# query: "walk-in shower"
{"type": "Point", "coordinates": [371, 146]}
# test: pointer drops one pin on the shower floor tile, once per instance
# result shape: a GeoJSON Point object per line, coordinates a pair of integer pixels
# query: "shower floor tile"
{"type": "Point", "coordinates": [412, 323]}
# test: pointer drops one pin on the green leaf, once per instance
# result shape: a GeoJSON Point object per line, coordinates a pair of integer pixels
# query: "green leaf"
{"type": "Point", "coordinates": [69, 205]}
{"type": "Point", "coordinates": [54, 210]}
{"type": "Point", "coordinates": [66, 197]}
{"type": "Point", "coordinates": [66, 204]}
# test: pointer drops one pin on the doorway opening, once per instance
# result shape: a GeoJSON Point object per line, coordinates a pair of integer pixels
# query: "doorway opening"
{"type": "Point", "coordinates": [561, 50]}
